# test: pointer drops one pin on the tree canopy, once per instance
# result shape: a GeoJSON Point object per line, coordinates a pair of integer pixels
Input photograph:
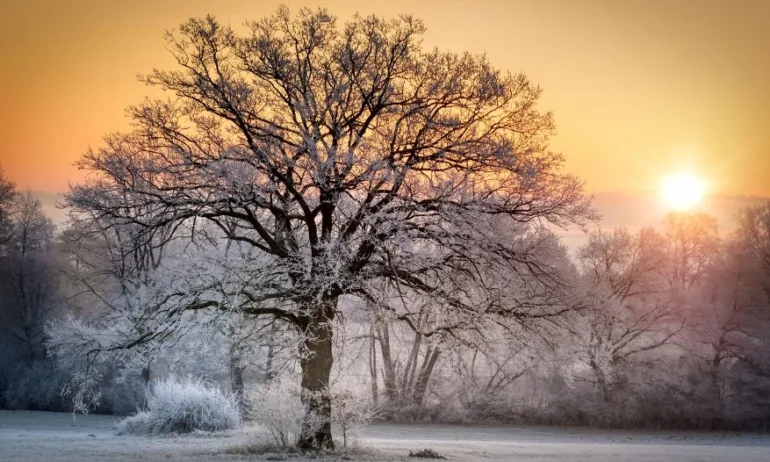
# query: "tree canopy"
{"type": "Point", "coordinates": [345, 158]}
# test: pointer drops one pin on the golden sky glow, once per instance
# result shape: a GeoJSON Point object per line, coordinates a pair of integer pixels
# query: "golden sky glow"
{"type": "Point", "coordinates": [639, 88]}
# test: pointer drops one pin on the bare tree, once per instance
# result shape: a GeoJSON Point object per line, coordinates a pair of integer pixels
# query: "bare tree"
{"type": "Point", "coordinates": [734, 316]}
{"type": "Point", "coordinates": [484, 378]}
{"type": "Point", "coordinates": [693, 244]}
{"type": "Point", "coordinates": [630, 312]}
{"type": "Point", "coordinates": [7, 197]}
{"type": "Point", "coordinates": [341, 156]}
{"type": "Point", "coordinates": [754, 230]}
{"type": "Point", "coordinates": [28, 277]}
{"type": "Point", "coordinates": [407, 371]}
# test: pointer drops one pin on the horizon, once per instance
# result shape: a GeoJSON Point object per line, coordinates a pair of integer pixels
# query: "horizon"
{"type": "Point", "coordinates": [632, 211]}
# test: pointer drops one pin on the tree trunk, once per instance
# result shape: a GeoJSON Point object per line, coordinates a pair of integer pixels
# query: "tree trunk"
{"type": "Point", "coordinates": [373, 365]}
{"type": "Point", "coordinates": [429, 363]}
{"type": "Point", "coordinates": [716, 382]}
{"type": "Point", "coordinates": [316, 364]}
{"type": "Point", "coordinates": [236, 375]}
{"type": "Point", "coordinates": [601, 380]}
{"type": "Point", "coordinates": [269, 369]}
{"type": "Point", "coordinates": [407, 385]}
{"type": "Point", "coordinates": [145, 375]}
{"type": "Point", "coordinates": [389, 372]}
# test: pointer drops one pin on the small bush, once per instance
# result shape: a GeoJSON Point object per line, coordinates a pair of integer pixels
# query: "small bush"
{"type": "Point", "coordinates": [351, 413]}
{"type": "Point", "coordinates": [426, 454]}
{"type": "Point", "coordinates": [34, 387]}
{"type": "Point", "coordinates": [182, 406]}
{"type": "Point", "coordinates": [277, 407]}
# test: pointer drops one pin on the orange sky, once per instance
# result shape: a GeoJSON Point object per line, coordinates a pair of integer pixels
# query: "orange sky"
{"type": "Point", "coordinates": [639, 88]}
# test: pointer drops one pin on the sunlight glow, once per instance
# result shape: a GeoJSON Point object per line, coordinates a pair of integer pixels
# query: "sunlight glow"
{"type": "Point", "coordinates": [682, 191]}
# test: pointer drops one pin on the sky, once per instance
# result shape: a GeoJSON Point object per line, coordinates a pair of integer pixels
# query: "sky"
{"type": "Point", "coordinates": [640, 89]}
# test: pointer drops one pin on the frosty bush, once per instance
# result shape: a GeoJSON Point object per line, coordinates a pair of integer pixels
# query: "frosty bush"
{"type": "Point", "coordinates": [351, 413]}
{"type": "Point", "coordinates": [277, 407]}
{"type": "Point", "coordinates": [36, 387]}
{"type": "Point", "coordinates": [177, 405]}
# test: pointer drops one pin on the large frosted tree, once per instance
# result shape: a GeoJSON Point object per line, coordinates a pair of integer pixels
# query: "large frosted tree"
{"type": "Point", "coordinates": [346, 157]}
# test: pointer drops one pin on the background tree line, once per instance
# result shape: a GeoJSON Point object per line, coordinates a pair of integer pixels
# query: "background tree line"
{"type": "Point", "coordinates": [664, 328]}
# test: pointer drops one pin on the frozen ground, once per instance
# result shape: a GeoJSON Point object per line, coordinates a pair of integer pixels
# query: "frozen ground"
{"type": "Point", "coordinates": [49, 437]}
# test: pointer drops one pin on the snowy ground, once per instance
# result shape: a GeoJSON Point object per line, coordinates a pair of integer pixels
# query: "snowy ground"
{"type": "Point", "coordinates": [49, 437]}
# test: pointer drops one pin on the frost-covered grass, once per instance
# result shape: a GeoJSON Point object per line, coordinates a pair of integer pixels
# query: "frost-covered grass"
{"type": "Point", "coordinates": [47, 437]}
{"type": "Point", "coordinates": [272, 452]}
{"type": "Point", "coordinates": [182, 405]}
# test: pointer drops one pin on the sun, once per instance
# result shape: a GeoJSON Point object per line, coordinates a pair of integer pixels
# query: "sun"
{"type": "Point", "coordinates": [682, 191]}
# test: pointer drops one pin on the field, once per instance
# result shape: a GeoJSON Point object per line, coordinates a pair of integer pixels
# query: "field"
{"type": "Point", "coordinates": [50, 437]}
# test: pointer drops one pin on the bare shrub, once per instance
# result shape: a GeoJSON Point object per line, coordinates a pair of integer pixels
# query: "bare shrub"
{"type": "Point", "coordinates": [426, 454]}
{"type": "Point", "coordinates": [277, 407]}
{"type": "Point", "coordinates": [351, 413]}
{"type": "Point", "coordinates": [36, 386]}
